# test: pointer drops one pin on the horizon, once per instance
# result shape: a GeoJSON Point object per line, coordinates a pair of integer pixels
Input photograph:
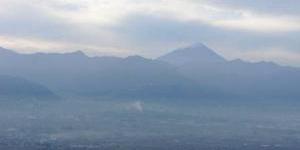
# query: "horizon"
{"type": "Point", "coordinates": [149, 58]}
{"type": "Point", "coordinates": [249, 30]}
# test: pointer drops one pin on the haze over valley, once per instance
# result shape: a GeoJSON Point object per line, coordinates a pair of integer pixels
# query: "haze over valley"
{"type": "Point", "coordinates": [189, 98]}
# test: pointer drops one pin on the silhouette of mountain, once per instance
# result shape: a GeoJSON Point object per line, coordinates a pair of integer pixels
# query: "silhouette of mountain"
{"type": "Point", "coordinates": [192, 72]}
{"type": "Point", "coordinates": [78, 74]}
{"type": "Point", "coordinates": [197, 53]}
{"type": "Point", "coordinates": [18, 88]}
{"type": "Point", "coordinates": [261, 79]}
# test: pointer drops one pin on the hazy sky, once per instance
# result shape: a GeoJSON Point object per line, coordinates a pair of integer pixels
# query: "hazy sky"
{"type": "Point", "coordinates": [249, 29]}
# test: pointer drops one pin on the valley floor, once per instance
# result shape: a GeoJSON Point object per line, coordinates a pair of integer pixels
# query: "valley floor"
{"type": "Point", "coordinates": [147, 125]}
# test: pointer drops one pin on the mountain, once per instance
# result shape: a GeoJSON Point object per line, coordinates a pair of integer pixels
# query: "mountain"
{"type": "Point", "coordinates": [77, 74]}
{"type": "Point", "coordinates": [193, 72]}
{"type": "Point", "coordinates": [197, 53]}
{"type": "Point", "coordinates": [240, 78]}
{"type": "Point", "coordinates": [18, 88]}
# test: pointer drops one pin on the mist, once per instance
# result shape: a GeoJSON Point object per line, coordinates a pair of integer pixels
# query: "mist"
{"type": "Point", "coordinates": [149, 75]}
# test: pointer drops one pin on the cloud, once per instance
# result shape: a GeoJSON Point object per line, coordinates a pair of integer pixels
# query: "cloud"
{"type": "Point", "coordinates": [261, 24]}
{"type": "Point", "coordinates": [276, 7]}
{"type": "Point", "coordinates": [159, 32]}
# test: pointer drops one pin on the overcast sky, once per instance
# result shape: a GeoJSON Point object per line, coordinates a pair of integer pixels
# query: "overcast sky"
{"type": "Point", "coordinates": [249, 29]}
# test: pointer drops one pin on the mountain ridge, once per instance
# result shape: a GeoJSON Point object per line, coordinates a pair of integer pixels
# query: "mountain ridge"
{"type": "Point", "coordinates": [133, 76]}
{"type": "Point", "coordinates": [265, 79]}
{"type": "Point", "coordinates": [196, 71]}
{"type": "Point", "coordinates": [18, 88]}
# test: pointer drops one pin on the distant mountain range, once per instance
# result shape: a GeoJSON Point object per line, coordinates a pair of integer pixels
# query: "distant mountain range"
{"type": "Point", "coordinates": [192, 72]}
{"type": "Point", "coordinates": [240, 78]}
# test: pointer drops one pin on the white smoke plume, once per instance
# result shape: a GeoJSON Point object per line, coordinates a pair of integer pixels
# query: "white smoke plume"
{"type": "Point", "coordinates": [136, 106]}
